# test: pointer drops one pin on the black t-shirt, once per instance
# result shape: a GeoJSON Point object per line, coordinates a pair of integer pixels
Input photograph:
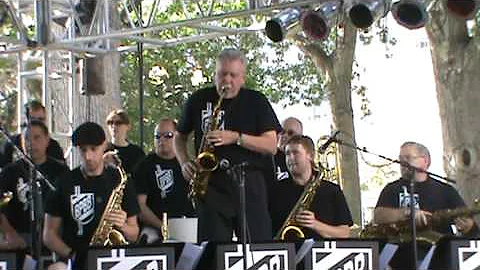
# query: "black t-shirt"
{"type": "Point", "coordinates": [54, 150]}
{"type": "Point", "coordinates": [328, 205]}
{"type": "Point", "coordinates": [130, 155]}
{"type": "Point", "coordinates": [81, 202]}
{"type": "Point", "coordinates": [166, 189]}
{"type": "Point", "coordinates": [15, 178]}
{"type": "Point", "coordinates": [430, 195]}
{"type": "Point", "coordinates": [281, 171]}
{"type": "Point", "coordinates": [249, 113]}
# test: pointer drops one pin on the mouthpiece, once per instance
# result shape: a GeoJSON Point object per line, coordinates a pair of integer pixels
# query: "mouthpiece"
{"type": "Point", "coordinates": [225, 87]}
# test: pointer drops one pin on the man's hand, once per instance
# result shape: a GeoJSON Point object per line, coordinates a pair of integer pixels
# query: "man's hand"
{"type": "Point", "coordinates": [306, 219]}
{"type": "Point", "coordinates": [118, 218]}
{"type": "Point", "coordinates": [422, 218]}
{"type": "Point", "coordinates": [188, 170]}
{"type": "Point", "coordinates": [14, 241]}
{"type": "Point", "coordinates": [464, 224]}
{"type": "Point", "coordinates": [222, 137]}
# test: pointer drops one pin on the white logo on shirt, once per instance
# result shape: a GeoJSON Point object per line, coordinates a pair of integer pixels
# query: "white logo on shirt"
{"type": "Point", "coordinates": [206, 118]}
{"type": "Point", "coordinates": [22, 192]}
{"type": "Point", "coordinates": [82, 206]}
{"type": "Point", "coordinates": [404, 199]}
{"type": "Point", "coordinates": [164, 179]}
{"type": "Point", "coordinates": [281, 175]}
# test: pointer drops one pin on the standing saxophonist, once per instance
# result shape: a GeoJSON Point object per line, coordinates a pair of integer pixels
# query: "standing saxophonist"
{"type": "Point", "coordinates": [75, 208]}
{"type": "Point", "coordinates": [246, 131]}
{"type": "Point", "coordinates": [328, 215]}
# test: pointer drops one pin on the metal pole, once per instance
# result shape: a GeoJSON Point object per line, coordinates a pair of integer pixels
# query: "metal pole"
{"type": "Point", "coordinates": [140, 78]}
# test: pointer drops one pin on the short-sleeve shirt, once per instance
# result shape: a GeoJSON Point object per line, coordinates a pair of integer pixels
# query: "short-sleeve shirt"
{"type": "Point", "coordinates": [328, 205]}
{"type": "Point", "coordinates": [130, 155]}
{"type": "Point", "coordinates": [15, 178]}
{"type": "Point", "coordinates": [248, 113]}
{"type": "Point", "coordinates": [166, 189]}
{"type": "Point", "coordinates": [430, 195]}
{"type": "Point", "coordinates": [80, 202]}
{"type": "Point", "coordinates": [54, 150]}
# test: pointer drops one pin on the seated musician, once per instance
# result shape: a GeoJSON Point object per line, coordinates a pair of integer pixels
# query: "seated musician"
{"type": "Point", "coordinates": [328, 215]}
{"type": "Point", "coordinates": [160, 185]}
{"type": "Point", "coordinates": [15, 220]}
{"type": "Point", "coordinates": [430, 195]}
{"type": "Point", "coordinates": [74, 210]}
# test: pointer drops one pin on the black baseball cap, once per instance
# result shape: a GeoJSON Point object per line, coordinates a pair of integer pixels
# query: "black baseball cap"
{"type": "Point", "coordinates": [88, 133]}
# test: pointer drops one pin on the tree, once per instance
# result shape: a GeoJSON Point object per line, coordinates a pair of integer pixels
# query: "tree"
{"type": "Point", "coordinates": [455, 48]}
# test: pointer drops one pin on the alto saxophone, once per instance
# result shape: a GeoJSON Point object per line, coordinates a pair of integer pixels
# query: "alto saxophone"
{"type": "Point", "coordinates": [106, 234]}
{"type": "Point", "coordinates": [206, 161]}
{"type": "Point", "coordinates": [290, 230]}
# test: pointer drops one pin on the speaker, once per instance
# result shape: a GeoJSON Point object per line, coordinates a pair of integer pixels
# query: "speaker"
{"type": "Point", "coordinates": [94, 81]}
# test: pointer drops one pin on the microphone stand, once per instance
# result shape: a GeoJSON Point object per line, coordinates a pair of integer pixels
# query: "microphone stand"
{"type": "Point", "coordinates": [239, 176]}
{"type": "Point", "coordinates": [35, 196]}
{"type": "Point", "coordinates": [412, 191]}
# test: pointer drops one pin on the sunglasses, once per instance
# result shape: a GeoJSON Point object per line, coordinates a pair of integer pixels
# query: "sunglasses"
{"type": "Point", "coordinates": [166, 135]}
{"type": "Point", "coordinates": [111, 122]}
{"type": "Point", "coordinates": [289, 132]}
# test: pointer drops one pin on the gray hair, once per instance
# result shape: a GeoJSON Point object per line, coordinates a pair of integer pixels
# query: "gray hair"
{"type": "Point", "coordinates": [231, 54]}
{"type": "Point", "coordinates": [422, 149]}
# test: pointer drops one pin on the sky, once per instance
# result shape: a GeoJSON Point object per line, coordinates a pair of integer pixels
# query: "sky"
{"type": "Point", "coordinates": [403, 101]}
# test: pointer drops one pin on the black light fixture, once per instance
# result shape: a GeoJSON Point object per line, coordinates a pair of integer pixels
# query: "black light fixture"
{"type": "Point", "coordinates": [465, 9]}
{"type": "Point", "coordinates": [281, 24]}
{"type": "Point", "coordinates": [316, 24]}
{"type": "Point", "coordinates": [363, 13]}
{"type": "Point", "coordinates": [411, 14]}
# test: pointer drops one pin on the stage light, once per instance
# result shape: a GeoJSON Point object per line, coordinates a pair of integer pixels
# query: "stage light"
{"type": "Point", "coordinates": [363, 13]}
{"type": "Point", "coordinates": [465, 9]}
{"type": "Point", "coordinates": [281, 24]}
{"type": "Point", "coordinates": [411, 14]}
{"type": "Point", "coordinates": [316, 24]}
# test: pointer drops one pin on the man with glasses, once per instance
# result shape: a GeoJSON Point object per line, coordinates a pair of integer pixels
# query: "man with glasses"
{"type": "Point", "coordinates": [35, 111]}
{"type": "Point", "coordinates": [290, 127]}
{"type": "Point", "coordinates": [160, 185]}
{"type": "Point", "coordinates": [430, 195]}
{"type": "Point", "coordinates": [118, 126]}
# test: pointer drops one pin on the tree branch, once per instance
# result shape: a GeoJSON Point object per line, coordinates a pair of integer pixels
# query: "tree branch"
{"type": "Point", "coordinates": [322, 61]}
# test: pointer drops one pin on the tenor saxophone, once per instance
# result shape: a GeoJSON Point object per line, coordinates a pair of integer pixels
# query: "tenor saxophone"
{"type": "Point", "coordinates": [106, 234]}
{"type": "Point", "coordinates": [290, 230]}
{"type": "Point", "coordinates": [206, 161]}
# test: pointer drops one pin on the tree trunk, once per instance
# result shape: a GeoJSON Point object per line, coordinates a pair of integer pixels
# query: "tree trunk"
{"type": "Point", "coordinates": [337, 71]}
{"type": "Point", "coordinates": [342, 112]}
{"type": "Point", "coordinates": [456, 61]}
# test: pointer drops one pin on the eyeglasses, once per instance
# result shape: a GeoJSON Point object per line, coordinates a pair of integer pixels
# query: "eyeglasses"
{"type": "Point", "coordinates": [409, 158]}
{"type": "Point", "coordinates": [117, 122]}
{"type": "Point", "coordinates": [289, 132]}
{"type": "Point", "coordinates": [166, 135]}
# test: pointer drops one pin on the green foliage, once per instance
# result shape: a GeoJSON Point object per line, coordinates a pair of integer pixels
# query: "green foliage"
{"type": "Point", "coordinates": [169, 70]}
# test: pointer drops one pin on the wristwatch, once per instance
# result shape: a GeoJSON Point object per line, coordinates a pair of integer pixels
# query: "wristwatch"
{"type": "Point", "coordinates": [240, 139]}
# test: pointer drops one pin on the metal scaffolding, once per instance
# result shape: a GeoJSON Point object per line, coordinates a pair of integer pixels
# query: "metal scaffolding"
{"type": "Point", "coordinates": [62, 35]}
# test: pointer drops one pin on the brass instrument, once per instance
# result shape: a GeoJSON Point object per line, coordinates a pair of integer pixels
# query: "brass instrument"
{"type": "Point", "coordinates": [164, 229]}
{"type": "Point", "coordinates": [330, 161]}
{"type": "Point", "coordinates": [106, 234]}
{"type": "Point", "coordinates": [290, 229]}
{"type": "Point", "coordinates": [5, 198]}
{"type": "Point", "coordinates": [206, 161]}
{"type": "Point", "coordinates": [401, 231]}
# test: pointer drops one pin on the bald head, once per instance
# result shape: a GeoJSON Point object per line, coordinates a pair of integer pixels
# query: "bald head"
{"type": "Point", "coordinates": [291, 126]}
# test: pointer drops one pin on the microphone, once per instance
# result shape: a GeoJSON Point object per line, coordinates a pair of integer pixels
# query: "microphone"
{"type": "Point", "coordinates": [333, 138]}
